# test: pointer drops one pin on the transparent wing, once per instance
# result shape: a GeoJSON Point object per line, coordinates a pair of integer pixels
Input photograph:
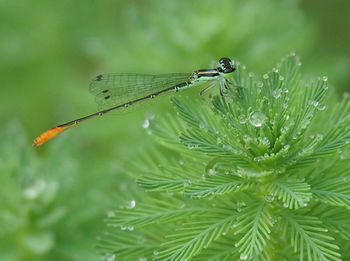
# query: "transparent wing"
{"type": "Point", "coordinates": [115, 89]}
{"type": "Point", "coordinates": [228, 89]}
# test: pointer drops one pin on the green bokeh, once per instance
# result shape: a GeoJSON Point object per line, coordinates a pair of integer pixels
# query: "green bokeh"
{"type": "Point", "coordinates": [50, 50]}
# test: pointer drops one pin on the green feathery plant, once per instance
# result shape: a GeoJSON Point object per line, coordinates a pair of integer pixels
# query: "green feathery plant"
{"type": "Point", "coordinates": [262, 173]}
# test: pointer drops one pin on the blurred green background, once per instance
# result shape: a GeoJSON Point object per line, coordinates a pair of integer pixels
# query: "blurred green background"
{"type": "Point", "coordinates": [53, 199]}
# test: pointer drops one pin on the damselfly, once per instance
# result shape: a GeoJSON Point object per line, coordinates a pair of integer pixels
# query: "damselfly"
{"type": "Point", "coordinates": [119, 91]}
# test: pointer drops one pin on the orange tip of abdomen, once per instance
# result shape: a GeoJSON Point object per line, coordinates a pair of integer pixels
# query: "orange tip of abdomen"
{"type": "Point", "coordinates": [48, 135]}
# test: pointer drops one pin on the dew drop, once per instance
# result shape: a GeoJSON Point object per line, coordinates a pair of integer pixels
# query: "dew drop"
{"type": "Point", "coordinates": [281, 78]}
{"type": "Point", "coordinates": [277, 93]}
{"type": "Point", "coordinates": [155, 252]}
{"type": "Point", "coordinates": [325, 78]}
{"type": "Point", "coordinates": [285, 205]}
{"type": "Point", "coordinates": [259, 85]}
{"type": "Point", "coordinates": [145, 124]}
{"type": "Point", "coordinates": [110, 213]}
{"type": "Point", "coordinates": [285, 129]}
{"type": "Point", "coordinates": [142, 259]}
{"type": "Point", "coordinates": [246, 138]}
{"type": "Point", "coordinates": [241, 204]}
{"type": "Point", "coordinates": [319, 137]}
{"type": "Point", "coordinates": [265, 76]}
{"type": "Point", "coordinates": [243, 257]}
{"type": "Point", "coordinates": [110, 257]}
{"type": "Point", "coordinates": [273, 220]}
{"type": "Point", "coordinates": [313, 103]}
{"type": "Point", "coordinates": [270, 198]}
{"type": "Point", "coordinates": [242, 119]}
{"type": "Point", "coordinates": [35, 190]}
{"type": "Point", "coordinates": [257, 118]}
{"type": "Point", "coordinates": [265, 141]}
{"type": "Point", "coordinates": [201, 125]}
{"type": "Point", "coordinates": [191, 146]}
{"type": "Point", "coordinates": [321, 107]}
{"type": "Point", "coordinates": [130, 228]}
{"type": "Point", "coordinates": [275, 70]}
{"type": "Point", "coordinates": [187, 183]}
{"type": "Point", "coordinates": [181, 162]}
{"type": "Point", "coordinates": [211, 172]}
{"type": "Point", "coordinates": [251, 74]}
{"type": "Point", "coordinates": [131, 204]}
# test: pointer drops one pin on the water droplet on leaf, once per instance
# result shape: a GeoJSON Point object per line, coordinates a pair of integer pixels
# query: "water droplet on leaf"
{"type": "Point", "coordinates": [259, 85]}
{"type": "Point", "coordinates": [277, 93]}
{"type": "Point", "coordinates": [242, 119]}
{"type": "Point", "coordinates": [110, 257]}
{"type": "Point", "coordinates": [131, 204]}
{"type": "Point", "coordinates": [257, 118]}
{"type": "Point", "coordinates": [321, 107]}
{"type": "Point", "coordinates": [130, 228]}
{"type": "Point", "coordinates": [145, 124]}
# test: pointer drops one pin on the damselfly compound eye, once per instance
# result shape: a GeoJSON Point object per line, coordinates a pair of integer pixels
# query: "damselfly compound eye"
{"type": "Point", "coordinates": [226, 65]}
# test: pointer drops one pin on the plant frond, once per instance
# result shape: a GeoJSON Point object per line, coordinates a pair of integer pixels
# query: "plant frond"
{"type": "Point", "coordinates": [309, 237]}
{"type": "Point", "coordinates": [146, 214]}
{"type": "Point", "coordinates": [335, 191]}
{"type": "Point", "coordinates": [216, 185]}
{"type": "Point", "coordinates": [324, 145]}
{"type": "Point", "coordinates": [195, 119]}
{"type": "Point", "coordinates": [209, 144]}
{"type": "Point", "coordinates": [335, 219]}
{"type": "Point", "coordinates": [254, 223]}
{"type": "Point", "coordinates": [194, 237]}
{"type": "Point", "coordinates": [161, 177]}
{"type": "Point", "coordinates": [158, 182]}
{"type": "Point", "coordinates": [126, 245]}
{"type": "Point", "coordinates": [220, 250]}
{"type": "Point", "coordinates": [294, 193]}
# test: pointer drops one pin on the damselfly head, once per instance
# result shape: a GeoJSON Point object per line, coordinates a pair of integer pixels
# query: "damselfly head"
{"type": "Point", "coordinates": [226, 65]}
